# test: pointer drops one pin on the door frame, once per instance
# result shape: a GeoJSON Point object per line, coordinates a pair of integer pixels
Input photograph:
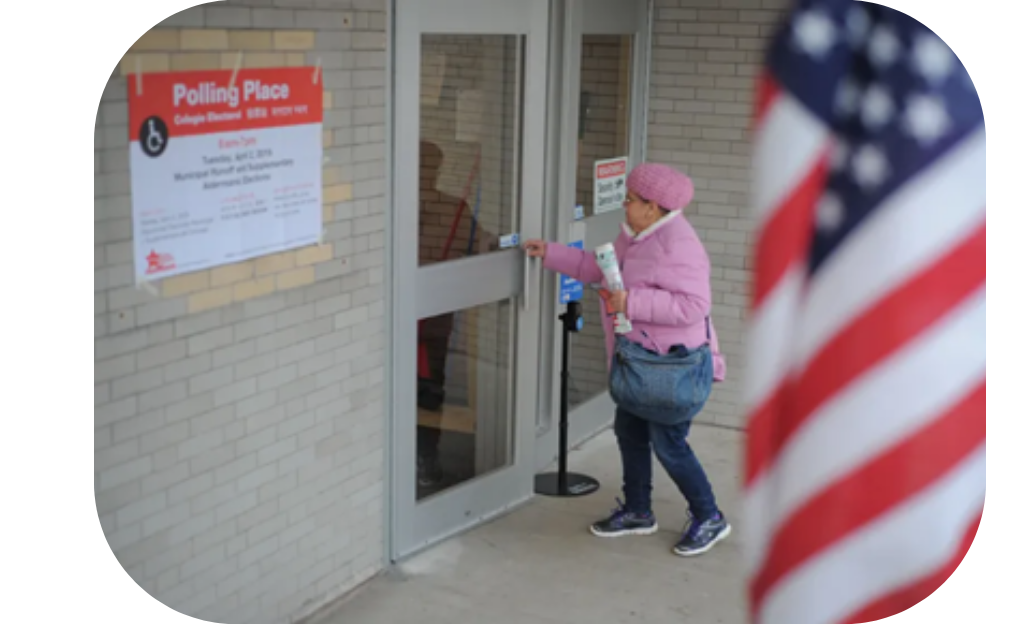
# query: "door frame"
{"type": "Point", "coordinates": [486, 496]}
{"type": "Point", "coordinates": [572, 19]}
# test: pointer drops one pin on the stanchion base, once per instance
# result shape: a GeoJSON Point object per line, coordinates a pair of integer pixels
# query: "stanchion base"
{"type": "Point", "coordinates": [577, 485]}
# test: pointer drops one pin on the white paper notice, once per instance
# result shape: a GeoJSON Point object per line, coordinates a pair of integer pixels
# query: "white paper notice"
{"type": "Point", "coordinates": [224, 173]}
{"type": "Point", "coordinates": [609, 184]}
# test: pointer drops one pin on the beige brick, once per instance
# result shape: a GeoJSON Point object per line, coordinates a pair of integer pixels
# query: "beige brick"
{"type": "Point", "coordinates": [336, 193]}
{"type": "Point", "coordinates": [726, 56]}
{"type": "Point", "coordinates": [166, 39]}
{"type": "Point", "coordinates": [747, 30]}
{"type": "Point", "coordinates": [327, 138]}
{"type": "Point", "coordinates": [343, 137]}
{"type": "Point", "coordinates": [250, 40]}
{"type": "Point", "coordinates": [295, 278]}
{"type": "Point", "coordinates": [752, 43]}
{"type": "Point", "coordinates": [760, 17]}
{"type": "Point", "coordinates": [209, 299]}
{"type": "Point", "coordinates": [722, 15]}
{"type": "Point", "coordinates": [257, 60]}
{"type": "Point", "coordinates": [186, 284]}
{"type": "Point", "coordinates": [327, 213]}
{"type": "Point", "coordinates": [734, 82]}
{"type": "Point", "coordinates": [148, 62]}
{"type": "Point", "coordinates": [232, 273]}
{"type": "Point", "coordinates": [229, 59]}
{"type": "Point", "coordinates": [295, 59]}
{"type": "Point", "coordinates": [254, 288]}
{"type": "Point", "coordinates": [327, 100]}
{"type": "Point", "coordinates": [277, 263]}
{"type": "Point", "coordinates": [330, 176]}
{"type": "Point", "coordinates": [314, 255]}
{"type": "Point", "coordinates": [672, 14]}
{"type": "Point", "coordinates": [207, 39]}
{"type": "Point", "coordinates": [196, 61]}
{"type": "Point", "coordinates": [293, 40]}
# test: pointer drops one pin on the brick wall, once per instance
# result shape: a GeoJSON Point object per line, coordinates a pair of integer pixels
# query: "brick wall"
{"type": "Point", "coordinates": [706, 54]}
{"type": "Point", "coordinates": [239, 411]}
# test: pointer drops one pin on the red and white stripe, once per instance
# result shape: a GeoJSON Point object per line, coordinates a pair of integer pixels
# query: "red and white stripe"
{"type": "Point", "coordinates": [866, 385]}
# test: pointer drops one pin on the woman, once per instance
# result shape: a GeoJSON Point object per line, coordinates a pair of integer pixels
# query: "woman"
{"type": "Point", "coordinates": [667, 299]}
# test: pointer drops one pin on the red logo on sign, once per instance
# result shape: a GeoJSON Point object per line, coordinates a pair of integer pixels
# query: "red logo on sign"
{"type": "Point", "coordinates": [611, 170]}
{"type": "Point", "coordinates": [158, 262]}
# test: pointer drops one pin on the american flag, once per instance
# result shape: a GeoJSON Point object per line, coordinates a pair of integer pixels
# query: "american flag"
{"type": "Point", "coordinates": [867, 374]}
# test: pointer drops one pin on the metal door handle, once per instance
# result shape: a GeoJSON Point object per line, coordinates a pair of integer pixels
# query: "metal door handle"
{"type": "Point", "coordinates": [526, 282]}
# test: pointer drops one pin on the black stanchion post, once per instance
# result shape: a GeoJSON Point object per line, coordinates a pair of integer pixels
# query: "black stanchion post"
{"type": "Point", "coordinates": [563, 483]}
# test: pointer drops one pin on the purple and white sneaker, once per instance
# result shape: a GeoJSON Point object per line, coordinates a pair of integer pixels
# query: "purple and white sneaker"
{"type": "Point", "coordinates": [702, 536]}
{"type": "Point", "coordinates": [623, 522]}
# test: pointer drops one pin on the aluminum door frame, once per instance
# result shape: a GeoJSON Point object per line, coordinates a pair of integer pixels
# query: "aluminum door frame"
{"type": "Point", "coordinates": [579, 18]}
{"type": "Point", "coordinates": [485, 279]}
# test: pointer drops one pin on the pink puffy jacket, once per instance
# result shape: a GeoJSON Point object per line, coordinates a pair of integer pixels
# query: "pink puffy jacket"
{"type": "Point", "coordinates": [666, 273]}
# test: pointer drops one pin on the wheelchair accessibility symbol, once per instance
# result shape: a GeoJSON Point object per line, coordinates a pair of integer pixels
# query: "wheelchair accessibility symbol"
{"type": "Point", "coordinates": [153, 136]}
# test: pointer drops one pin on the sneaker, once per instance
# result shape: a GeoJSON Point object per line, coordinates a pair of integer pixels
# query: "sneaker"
{"type": "Point", "coordinates": [702, 536]}
{"type": "Point", "coordinates": [623, 522]}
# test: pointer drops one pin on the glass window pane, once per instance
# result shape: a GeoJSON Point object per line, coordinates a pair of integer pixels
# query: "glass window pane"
{"type": "Point", "coordinates": [605, 98]}
{"type": "Point", "coordinates": [469, 144]}
{"type": "Point", "coordinates": [464, 396]}
{"type": "Point", "coordinates": [605, 81]}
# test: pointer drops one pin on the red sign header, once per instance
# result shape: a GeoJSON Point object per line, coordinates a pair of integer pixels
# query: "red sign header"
{"type": "Point", "coordinates": [214, 101]}
{"type": "Point", "coordinates": [615, 169]}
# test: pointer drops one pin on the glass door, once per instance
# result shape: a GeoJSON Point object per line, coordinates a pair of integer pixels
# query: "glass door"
{"type": "Point", "coordinates": [605, 49]}
{"type": "Point", "coordinates": [469, 116]}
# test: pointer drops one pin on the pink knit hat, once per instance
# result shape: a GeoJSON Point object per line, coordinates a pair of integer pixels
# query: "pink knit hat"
{"type": "Point", "coordinates": [664, 185]}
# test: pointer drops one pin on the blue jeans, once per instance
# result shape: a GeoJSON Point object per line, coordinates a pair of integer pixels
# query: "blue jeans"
{"type": "Point", "coordinates": [637, 438]}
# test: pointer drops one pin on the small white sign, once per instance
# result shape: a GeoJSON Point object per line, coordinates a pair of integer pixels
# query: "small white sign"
{"type": "Point", "coordinates": [509, 241]}
{"type": "Point", "coordinates": [577, 231]}
{"type": "Point", "coordinates": [609, 184]}
{"type": "Point", "coordinates": [578, 213]}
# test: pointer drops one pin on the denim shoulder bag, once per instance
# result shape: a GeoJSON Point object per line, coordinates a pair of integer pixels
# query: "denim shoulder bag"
{"type": "Point", "coordinates": [667, 389]}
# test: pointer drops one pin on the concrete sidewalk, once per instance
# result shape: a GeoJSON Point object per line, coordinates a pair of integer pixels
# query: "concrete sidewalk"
{"type": "Point", "coordinates": [540, 564]}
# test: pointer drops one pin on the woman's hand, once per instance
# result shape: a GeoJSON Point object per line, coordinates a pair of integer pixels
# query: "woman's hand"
{"type": "Point", "coordinates": [536, 248]}
{"type": "Point", "coordinates": [615, 301]}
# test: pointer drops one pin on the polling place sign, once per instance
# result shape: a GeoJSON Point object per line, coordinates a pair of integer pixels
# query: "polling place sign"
{"type": "Point", "coordinates": [609, 184]}
{"type": "Point", "coordinates": [225, 166]}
